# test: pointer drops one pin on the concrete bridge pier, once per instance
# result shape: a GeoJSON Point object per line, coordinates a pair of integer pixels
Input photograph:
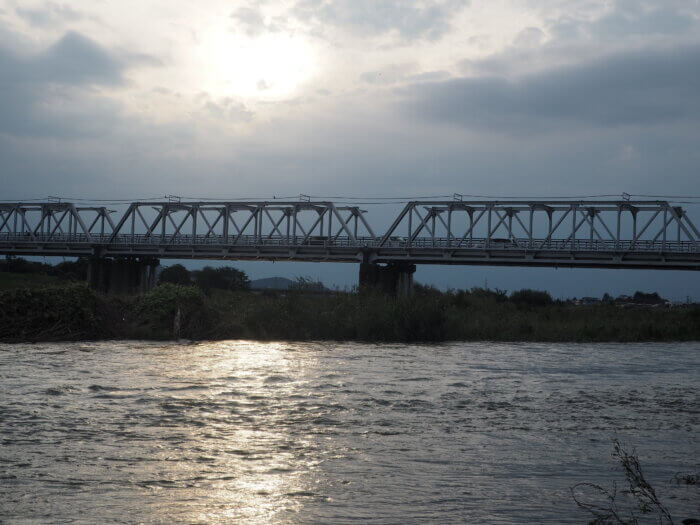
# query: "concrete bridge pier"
{"type": "Point", "coordinates": [122, 276]}
{"type": "Point", "coordinates": [393, 278]}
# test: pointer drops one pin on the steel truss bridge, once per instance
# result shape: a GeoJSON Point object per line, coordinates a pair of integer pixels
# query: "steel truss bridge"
{"type": "Point", "coordinates": [600, 234]}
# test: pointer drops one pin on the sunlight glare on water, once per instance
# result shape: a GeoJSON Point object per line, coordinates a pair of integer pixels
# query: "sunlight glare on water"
{"type": "Point", "coordinates": [248, 432]}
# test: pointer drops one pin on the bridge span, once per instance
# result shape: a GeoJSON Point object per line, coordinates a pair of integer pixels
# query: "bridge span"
{"type": "Point", "coordinates": [556, 233]}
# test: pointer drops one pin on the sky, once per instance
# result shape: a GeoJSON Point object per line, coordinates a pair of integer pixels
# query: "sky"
{"type": "Point", "coordinates": [228, 99]}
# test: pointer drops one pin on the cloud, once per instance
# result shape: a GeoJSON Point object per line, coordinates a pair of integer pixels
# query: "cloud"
{"type": "Point", "coordinates": [390, 74]}
{"type": "Point", "coordinates": [73, 60]}
{"type": "Point", "coordinates": [404, 73]}
{"type": "Point", "coordinates": [50, 15]}
{"type": "Point", "coordinates": [227, 109]}
{"type": "Point", "coordinates": [634, 88]}
{"type": "Point", "coordinates": [50, 93]}
{"type": "Point", "coordinates": [250, 20]}
{"type": "Point", "coordinates": [630, 18]}
{"type": "Point", "coordinates": [429, 19]}
{"type": "Point", "coordinates": [529, 37]}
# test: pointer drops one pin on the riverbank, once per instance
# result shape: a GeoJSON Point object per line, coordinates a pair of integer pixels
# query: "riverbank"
{"type": "Point", "coordinates": [64, 312]}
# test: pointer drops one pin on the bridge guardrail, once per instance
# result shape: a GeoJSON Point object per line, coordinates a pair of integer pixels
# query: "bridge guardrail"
{"type": "Point", "coordinates": [397, 243]}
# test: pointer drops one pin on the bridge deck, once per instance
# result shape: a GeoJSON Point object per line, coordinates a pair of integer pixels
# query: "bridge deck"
{"type": "Point", "coordinates": [520, 252]}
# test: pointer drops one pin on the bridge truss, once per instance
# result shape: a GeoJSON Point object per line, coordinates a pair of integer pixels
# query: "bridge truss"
{"type": "Point", "coordinates": [610, 234]}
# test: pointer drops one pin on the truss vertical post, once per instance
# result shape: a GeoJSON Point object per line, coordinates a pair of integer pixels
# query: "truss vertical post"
{"type": "Point", "coordinates": [225, 212]}
{"type": "Point", "coordinates": [330, 226]}
{"type": "Point", "coordinates": [261, 212]}
{"type": "Point", "coordinates": [255, 224]}
{"type": "Point", "coordinates": [164, 214]}
{"type": "Point", "coordinates": [510, 225]}
{"type": "Point", "coordinates": [133, 224]}
{"type": "Point", "coordinates": [193, 215]}
{"type": "Point", "coordinates": [294, 228]}
{"type": "Point", "coordinates": [488, 226]}
{"type": "Point", "coordinates": [663, 242]}
{"type": "Point", "coordinates": [288, 216]}
{"type": "Point", "coordinates": [449, 226]}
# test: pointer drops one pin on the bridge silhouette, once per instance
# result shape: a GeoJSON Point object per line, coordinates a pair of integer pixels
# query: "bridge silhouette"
{"type": "Point", "coordinates": [556, 233]}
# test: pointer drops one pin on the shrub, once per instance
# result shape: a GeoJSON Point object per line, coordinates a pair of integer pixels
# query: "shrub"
{"type": "Point", "coordinates": [52, 313]}
{"type": "Point", "coordinates": [157, 310]}
{"type": "Point", "coordinates": [175, 274]}
{"type": "Point", "coordinates": [531, 297]}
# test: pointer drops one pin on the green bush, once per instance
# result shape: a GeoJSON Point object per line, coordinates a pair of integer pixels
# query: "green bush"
{"type": "Point", "coordinates": [531, 297]}
{"type": "Point", "coordinates": [175, 274]}
{"type": "Point", "coordinates": [52, 313]}
{"type": "Point", "coordinates": [156, 310]}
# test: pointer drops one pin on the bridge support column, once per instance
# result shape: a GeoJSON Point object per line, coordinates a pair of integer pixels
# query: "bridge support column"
{"type": "Point", "coordinates": [122, 276]}
{"type": "Point", "coordinates": [393, 278]}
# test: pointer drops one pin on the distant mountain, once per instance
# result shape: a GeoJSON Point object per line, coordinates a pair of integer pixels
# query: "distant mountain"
{"type": "Point", "coordinates": [271, 283]}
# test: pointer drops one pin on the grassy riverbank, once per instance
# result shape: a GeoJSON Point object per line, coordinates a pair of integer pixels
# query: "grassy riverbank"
{"type": "Point", "coordinates": [69, 311]}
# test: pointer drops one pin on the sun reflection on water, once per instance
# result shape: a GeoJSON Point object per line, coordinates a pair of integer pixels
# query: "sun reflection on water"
{"type": "Point", "coordinates": [237, 454]}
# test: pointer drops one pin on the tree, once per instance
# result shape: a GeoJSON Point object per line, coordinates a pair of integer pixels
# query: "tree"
{"type": "Point", "coordinates": [224, 278]}
{"type": "Point", "coordinates": [74, 270]}
{"type": "Point", "coordinates": [647, 298]}
{"type": "Point", "coordinates": [531, 297]}
{"type": "Point", "coordinates": [19, 265]}
{"type": "Point", "coordinates": [175, 274]}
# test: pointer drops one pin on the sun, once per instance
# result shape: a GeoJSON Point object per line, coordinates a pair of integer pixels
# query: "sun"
{"type": "Point", "coordinates": [265, 66]}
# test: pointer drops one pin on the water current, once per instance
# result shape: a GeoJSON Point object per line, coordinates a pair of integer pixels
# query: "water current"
{"type": "Point", "coordinates": [248, 432]}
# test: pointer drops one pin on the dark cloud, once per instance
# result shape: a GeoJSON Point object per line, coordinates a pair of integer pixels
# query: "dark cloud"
{"type": "Point", "coordinates": [632, 18]}
{"type": "Point", "coordinates": [49, 93]}
{"type": "Point", "coordinates": [429, 19]}
{"type": "Point", "coordinates": [73, 60]}
{"type": "Point", "coordinates": [636, 88]}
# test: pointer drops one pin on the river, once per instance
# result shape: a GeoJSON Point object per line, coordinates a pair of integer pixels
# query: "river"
{"type": "Point", "coordinates": [250, 432]}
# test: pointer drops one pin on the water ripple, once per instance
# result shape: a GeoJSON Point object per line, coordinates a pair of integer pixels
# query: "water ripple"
{"type": "Point", "coordinates": [237, 431]}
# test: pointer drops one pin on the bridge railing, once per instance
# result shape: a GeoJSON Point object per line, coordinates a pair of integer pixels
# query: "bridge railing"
{"type": "Point", "coordinates": [322, 242]}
